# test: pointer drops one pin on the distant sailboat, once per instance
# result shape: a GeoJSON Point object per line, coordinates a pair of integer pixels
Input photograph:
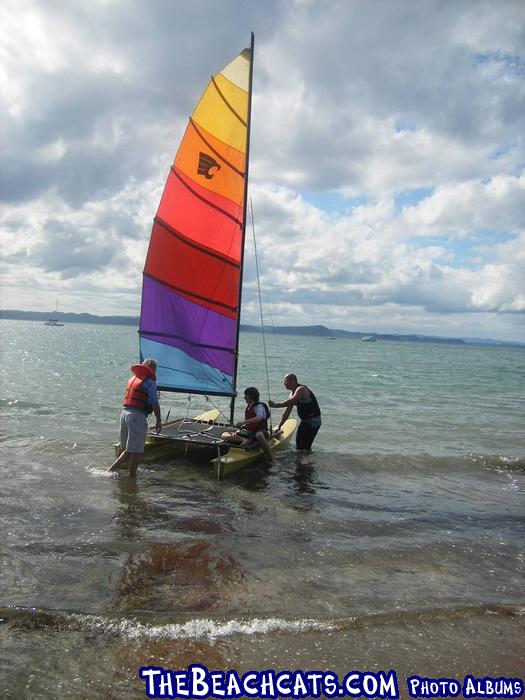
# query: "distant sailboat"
{"type": "Point", "coordinates": [53, 321]}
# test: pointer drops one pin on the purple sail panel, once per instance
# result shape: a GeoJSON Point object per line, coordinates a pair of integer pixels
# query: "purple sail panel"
{"type": "Point", "coordinates": [201, 333]}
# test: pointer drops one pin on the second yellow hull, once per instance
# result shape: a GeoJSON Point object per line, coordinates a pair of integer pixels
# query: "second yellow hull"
{"type": "Point", "coordinates": [237, 458]}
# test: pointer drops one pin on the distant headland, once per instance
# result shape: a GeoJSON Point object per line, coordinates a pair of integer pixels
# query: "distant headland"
{"type": "Point", "coordinates": [319, 331]}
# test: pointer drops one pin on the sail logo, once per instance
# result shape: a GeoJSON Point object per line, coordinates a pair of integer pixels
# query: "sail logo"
{"type": "Point", "coordinates": [208, 166]}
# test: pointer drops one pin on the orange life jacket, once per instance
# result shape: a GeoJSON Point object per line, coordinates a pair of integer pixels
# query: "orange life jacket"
{"type": "Point", "coordinates": [136, 396]}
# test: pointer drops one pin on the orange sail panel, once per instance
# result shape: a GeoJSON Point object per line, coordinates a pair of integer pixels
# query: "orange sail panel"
{"type": "Point", "coordinates": [226, 176]}
{"type": "Point", "coordinates": [192, 275]}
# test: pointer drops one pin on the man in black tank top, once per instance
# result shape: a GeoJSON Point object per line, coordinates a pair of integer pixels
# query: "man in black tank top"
{"type": "Point", "coordinates": [307, 409]}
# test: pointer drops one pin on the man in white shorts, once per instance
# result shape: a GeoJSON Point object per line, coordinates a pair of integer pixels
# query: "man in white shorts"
{"type": "Point", "coordinates": [139, 401]}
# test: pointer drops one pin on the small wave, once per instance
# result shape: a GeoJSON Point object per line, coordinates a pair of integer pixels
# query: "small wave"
{"type": "Point", "coordinates": [203, 628]}
{"type": "Point", "coordinates": [56, 445]}
{"type": "Point", "coordinates": [134, 628]}
{"type": "Point", "coordinates": [19, 404]}
{"type": "Point", "coordinates": [500, 463]}
{"type": "Point", "coordinates": [28, 408]}
{"type": "Point", "coordinates": [420, 461]}
{"type": "Point", "coordinates": [137, 628]}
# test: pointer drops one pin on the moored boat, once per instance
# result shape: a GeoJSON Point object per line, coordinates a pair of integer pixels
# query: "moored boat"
{"type": "Point", "coordinates": [53, 321]}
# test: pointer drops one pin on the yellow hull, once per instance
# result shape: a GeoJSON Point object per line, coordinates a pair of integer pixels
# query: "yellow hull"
{"type": "Point", "coordinates": [237, 458]}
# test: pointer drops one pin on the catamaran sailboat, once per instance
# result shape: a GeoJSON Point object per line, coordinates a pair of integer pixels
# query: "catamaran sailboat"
{"type": "Point", "coordinates": [191, 293]}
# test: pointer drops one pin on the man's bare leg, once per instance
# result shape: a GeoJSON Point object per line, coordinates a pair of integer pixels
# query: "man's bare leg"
{"type": "Point", "coordinates": [119, 462]}
{"type": "Point", "coordinates": [265, 445]}
{"type": "Point", "coordinates": [133, 463]}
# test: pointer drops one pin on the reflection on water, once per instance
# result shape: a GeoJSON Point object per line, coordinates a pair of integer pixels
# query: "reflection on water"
{"type": "Point", "coordinates": [168, 653]}
{"type": "Point", "coordinates": [187, 576]}
{"type": "Point", "coordinates": [131, 508]}
{"type": "Point", "coordinates": [190, 575]}
{"type": "Point", "coordinates": [304, 475]}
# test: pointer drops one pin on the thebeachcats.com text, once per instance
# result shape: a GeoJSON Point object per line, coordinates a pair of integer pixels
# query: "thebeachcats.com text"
{"type": "Point", "coordinates": [198, 682]}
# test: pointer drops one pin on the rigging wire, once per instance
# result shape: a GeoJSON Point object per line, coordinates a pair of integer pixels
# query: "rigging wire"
{"type": "Point", "coordinates": [276, 340]}
{"type": "Point", "coordinates": [169, 409]}
{"type": "Point", "coordinates": [218, 408]}
{"type": "Point", "coordinates": [188, 406]}
{"type": "Point", "coordinates": [260, 301]}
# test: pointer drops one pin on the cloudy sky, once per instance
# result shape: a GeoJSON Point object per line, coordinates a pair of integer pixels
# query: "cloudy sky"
{"type": "Point", "coordinates": [387, 154]}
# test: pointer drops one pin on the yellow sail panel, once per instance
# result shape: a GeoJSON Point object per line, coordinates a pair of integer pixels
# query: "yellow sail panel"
{"type": "Point", "coordinates": [225, 176]}
{"type": "Point", "coordinates": [234, 96]}
{"type": "Point", "coordinates": [222, 111]}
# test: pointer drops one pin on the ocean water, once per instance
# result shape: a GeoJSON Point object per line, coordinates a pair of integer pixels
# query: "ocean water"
{"type": "Point", "coordinates": [398, 543]}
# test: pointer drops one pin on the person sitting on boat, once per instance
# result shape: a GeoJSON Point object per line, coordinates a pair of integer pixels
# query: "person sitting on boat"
{"type": "Point", "coordinates": [254, 427]}
{"type": "Point", "coordinates": [140, 400]}
{"type": "Point", "coordinates": [307, 409]}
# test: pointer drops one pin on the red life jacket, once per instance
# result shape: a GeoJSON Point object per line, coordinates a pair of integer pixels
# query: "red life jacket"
{"type": "Point", "coordinates": [136, 396]}
{"type": "Point", "coordinates": [250, 413]}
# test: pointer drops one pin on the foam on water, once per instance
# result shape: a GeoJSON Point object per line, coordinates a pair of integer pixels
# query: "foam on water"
{"type": "Point", "coordinates": [133, 628]}
{"type": "Point", "coordinates": [198, 628]}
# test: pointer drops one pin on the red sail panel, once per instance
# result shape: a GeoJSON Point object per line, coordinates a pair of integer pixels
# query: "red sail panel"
{"type": "Point", "coordinates": [207, 218]}
{"type": "Point", "coordinates": [204, 278]}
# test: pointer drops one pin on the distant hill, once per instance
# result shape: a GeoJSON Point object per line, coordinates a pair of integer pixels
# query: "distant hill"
{"type": "Point", "coordinates": [319, 331]}
{"type": "Point", "coordinates": [323, 331]}
{"type": "Point", "coordinates": [69, 318]}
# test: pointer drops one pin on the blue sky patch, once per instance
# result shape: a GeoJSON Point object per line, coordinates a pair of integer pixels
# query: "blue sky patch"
{"type": "Point", "coordinates": [470, 253]}
{"type": "Point", "coordinates": [412, 197]}
{"type": "Point", "coordinates": [513, 64]}
{"type": "Point", "coordinates": [333, 201]}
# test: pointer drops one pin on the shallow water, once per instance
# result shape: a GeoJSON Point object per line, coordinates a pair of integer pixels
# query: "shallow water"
{"type": "Point", "coordinates": [398, 543]}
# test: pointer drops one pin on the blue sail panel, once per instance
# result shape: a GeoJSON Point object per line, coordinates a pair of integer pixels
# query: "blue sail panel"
{"type": "Point", "coordinates": [177, 371]}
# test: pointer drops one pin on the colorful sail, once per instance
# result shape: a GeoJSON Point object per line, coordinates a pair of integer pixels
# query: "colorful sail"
{"type": "Point", "coordinates": [193, 272]}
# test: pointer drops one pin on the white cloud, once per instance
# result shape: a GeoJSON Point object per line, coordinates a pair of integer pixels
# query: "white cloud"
{"type": "Point", "coordinates": [420, 103]}
{"type": "Point", "coordinates": [470, 206]}
{"type": "Point", "coordinates": [372, 257]}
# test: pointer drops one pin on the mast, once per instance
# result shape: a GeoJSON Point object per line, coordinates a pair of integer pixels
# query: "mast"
{"type": "Point", "coordinates": [245, 211]}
